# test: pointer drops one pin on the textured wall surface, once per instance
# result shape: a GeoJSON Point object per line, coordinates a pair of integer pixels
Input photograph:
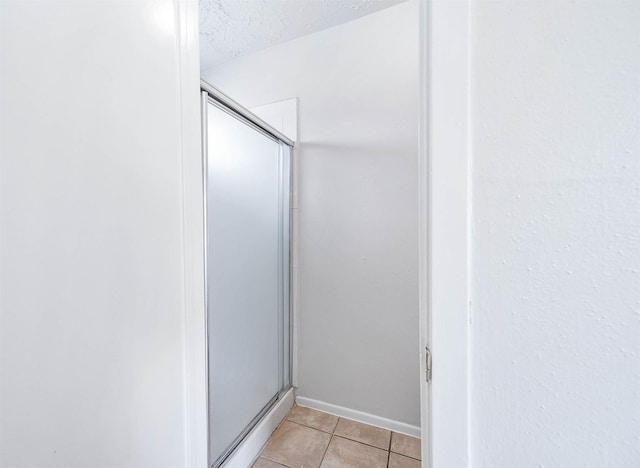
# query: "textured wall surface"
{"type": "Point", "coordinates": [231, 28]}
{"type": "Point", "coordinates": [556, 246]}
{"type": "Point", "coordinates": [358, 102]}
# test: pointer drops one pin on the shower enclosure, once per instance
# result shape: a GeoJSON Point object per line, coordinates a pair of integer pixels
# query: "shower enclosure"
{"type": "Point", "coordinates": [247, 191]}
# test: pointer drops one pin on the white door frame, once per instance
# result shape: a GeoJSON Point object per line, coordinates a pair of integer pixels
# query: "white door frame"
{"type": "Point", "coordinates": [444, 188]}
{"type": "Point", "coordinates": [195, 373]}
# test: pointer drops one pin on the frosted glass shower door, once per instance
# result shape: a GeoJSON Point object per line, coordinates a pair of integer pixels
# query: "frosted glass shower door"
{"type": "Point", "coordinates": [247, 216]}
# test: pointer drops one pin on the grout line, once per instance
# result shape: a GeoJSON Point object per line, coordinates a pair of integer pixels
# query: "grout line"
{"type": "Point", "coordinates": [269, 440]}
{"type": "Point", "coordinates": [402, 454]}
{"type": "Point", "coordinates": [302, 425]}
{"type": "Point", "coordinates": [407, 456]}
{"type": "Point", "coordinates": [272, 461]}
{"type": "Point", "coordinates": [327, 449]}
{"type": "Point", "coordinates": [345, 436]}
{"type": "Point", "coordinates": [306, 425]}
{"type": "Point", "coordinates": [286, 418]}
{"type": "Point", "coordinates": [359, 441]}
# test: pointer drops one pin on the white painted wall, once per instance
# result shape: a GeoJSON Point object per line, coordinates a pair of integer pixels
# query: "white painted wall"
{"type": "Point", "coordinates": [281, 115]}
{"type": "Point", "coordinates": [92, 306]}
{"type": "Point", "coordinates": [358, 105]}
{"type": "Point", "coordinates": [555, 348]}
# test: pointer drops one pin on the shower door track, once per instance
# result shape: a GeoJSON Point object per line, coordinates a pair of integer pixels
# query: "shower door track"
{"type": "Point", "coordinates": [226, 103]}
{"type": "Point", "coordinates": [254, 422]}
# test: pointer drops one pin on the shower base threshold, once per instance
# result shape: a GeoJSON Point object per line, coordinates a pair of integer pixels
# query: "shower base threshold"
{"type": "Point", "coordinates": [249, 449]}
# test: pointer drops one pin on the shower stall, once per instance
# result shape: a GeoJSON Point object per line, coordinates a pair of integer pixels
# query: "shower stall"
{"type": "Point", "coordinates": [247, 183]}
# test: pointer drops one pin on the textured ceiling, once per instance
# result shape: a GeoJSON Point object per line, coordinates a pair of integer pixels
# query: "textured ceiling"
{"type": "Point", "coordinates": [231, 28]}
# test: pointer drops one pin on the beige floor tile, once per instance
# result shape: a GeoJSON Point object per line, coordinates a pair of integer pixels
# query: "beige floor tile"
{"type": "Point", "coordinates": [264, 463]}
{"type": "Point", "coordinates": [405, 445]}
{"type": "Point", "coordinates": [344, 453]}
{"type": "Point", "coordinates": [363, 433]}
{"type": "Point", "coordinates": [312, 418]}
{"type": "Point", "coordinates": [296, 446]}
{"type": "Point", "coordinates": [400, 461]}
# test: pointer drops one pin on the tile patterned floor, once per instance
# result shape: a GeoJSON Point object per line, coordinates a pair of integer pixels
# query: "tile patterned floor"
{"type": "Point", "coordinates": [311, 439]}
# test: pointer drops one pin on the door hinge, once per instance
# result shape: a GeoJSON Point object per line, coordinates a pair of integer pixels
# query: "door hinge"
{"type": "Point", "coordinates": [427, 358]}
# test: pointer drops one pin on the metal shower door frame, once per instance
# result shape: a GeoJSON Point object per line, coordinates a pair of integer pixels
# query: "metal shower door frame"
{"type": "Point", "coordinates": [211, 95]}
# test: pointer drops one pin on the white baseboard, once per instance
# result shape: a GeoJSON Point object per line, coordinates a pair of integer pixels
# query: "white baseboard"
{"type": "Point", "coordinates": [360, 416]}
{"type": "Point", "coordinates": [250, 447]}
